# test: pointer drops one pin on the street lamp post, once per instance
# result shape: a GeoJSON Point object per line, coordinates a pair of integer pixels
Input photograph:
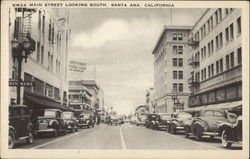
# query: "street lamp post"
{"type": "Point", "coordinates": [20, 51]}
{"type": "Point", "coordinates": [175, 98]}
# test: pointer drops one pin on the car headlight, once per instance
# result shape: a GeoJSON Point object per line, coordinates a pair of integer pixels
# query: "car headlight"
{"type": "Point", "coordinates": [51, 122]}
{"type": "Point", "coordinates": [218, 124]}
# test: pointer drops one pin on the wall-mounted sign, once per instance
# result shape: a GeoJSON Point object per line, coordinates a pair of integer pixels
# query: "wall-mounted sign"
{"type": "Point", "coordinates": [14, 83]}
{"type": "Point", "coordinates": [75, 66]}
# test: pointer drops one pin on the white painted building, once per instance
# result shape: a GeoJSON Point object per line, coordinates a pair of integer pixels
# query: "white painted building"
{"type": "Point", "coordinates": [216, 59]}
{"type": "Point", "coordinates": [47, 65]}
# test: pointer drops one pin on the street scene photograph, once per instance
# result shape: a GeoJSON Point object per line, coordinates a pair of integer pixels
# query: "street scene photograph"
{"type": "Point", "coordinates": [125, 78]}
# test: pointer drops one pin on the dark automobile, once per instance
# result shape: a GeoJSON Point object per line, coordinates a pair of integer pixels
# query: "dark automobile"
{"type": "Point", "coordinates": [162, 120]}
{"type": "Point", "coordinates": [177, 121]}
{"type": "Point", "coordinates": [151, 121]}
{"type": "Point", "coordinates": [20, 127]}
{"type": "Point", "coordinates": [231, 132]}
{"type": "Point", "coordinates": [70, 121]}
{"type": "Point", "coordinates": [51, 122]}
{"type": "Point", "coordinates": [114, 120]}
{"type": "Point", "coordinates": [86, 120]}
{"type": "Point", "coordinates": [203, 123]}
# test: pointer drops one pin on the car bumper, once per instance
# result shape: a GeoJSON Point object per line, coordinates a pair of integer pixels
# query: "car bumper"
{"type": "Point", "coordinates": [179, 128]}
{"type": "Point", "coordinates": [45, 130]}
{"type": "Point", "coordinates": [83, 124]}
{"type": "Point", "coordinates": [69, 127]}
{"type": "Point", "coordinates": [211, 133]}
{"type": "Point", "coordinates": [162, 126]}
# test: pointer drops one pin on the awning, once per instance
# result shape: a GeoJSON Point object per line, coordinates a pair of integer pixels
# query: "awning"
{"type": "Point", "coordinates": [224, 106]}
{"type": "Point", "coordinates": [40, 102]}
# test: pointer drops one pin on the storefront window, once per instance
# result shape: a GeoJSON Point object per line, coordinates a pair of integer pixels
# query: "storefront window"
{"type": "Point", "coordinates": [27, 77]}
{"type": "Point", "coordinates": [38, 87]}
{"type": "Point", "coordinates": [57, 94]}
{"type": "Point", "coordinates": [204, 98]}
{"type": "Point", "coordinates": [49, 90]}
{"type": "Point", "coordinates": [220, 96]}
{"type": "Point", "coordinates": [211, 97]}
{"type": "Point", "coordinates": [239, 91]}
{"type": "Point", "coordinates": [231, 92]}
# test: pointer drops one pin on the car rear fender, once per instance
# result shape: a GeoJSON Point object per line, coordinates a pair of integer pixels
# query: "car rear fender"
{"type": "Point", "coordinates": [175, 122]}
{"type": "Point", "coordinates": [225, 126]}
{"type": "Point", "coordinates": [11, 128]}
{"type": "Point", "coordinates": [198, 124]}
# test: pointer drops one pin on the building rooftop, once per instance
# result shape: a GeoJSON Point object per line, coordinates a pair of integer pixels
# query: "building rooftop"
{"type": "Point", "coordinates": [170, 27]}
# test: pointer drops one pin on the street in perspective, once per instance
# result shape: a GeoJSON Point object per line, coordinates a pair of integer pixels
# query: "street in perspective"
{"type": "Point", "coordinates": [125, 79]}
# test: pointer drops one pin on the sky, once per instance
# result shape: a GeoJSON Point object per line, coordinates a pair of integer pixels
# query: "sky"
{"type": "Point", "coordinates": [118, 45]}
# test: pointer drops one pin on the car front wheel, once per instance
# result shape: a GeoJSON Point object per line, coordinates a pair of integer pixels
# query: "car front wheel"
{"type": "Point", "coordinates": [224, 140]}
{"type": "Point", "coordinates": [186, 134]}
{"type": "Point", "coordinates": [11, 139]}
{"type": "Point", "coordinates": [30, 139]}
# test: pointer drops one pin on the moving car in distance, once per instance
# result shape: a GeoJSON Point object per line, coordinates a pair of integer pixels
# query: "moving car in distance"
{"type": "Point", "coordinates": [177, 121]}
{"type": "Point", "coordinates": [115, 120]}
{"type": "Point", "coordinates": [20, 127]}
{"type": "Point", "coordinates": [231, 132]}
{"type": "Point", "coordinates": [203, 123]}
{"type": "Point", "coordinates": [86, 120]}
{"type": "Point", "coordinates": [70, 121]}
{"type": "Point", "coordinates": [51, 122]}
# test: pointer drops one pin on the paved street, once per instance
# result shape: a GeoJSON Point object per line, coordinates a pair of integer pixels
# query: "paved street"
{"type": "Point", "coordinates": [123, 137]}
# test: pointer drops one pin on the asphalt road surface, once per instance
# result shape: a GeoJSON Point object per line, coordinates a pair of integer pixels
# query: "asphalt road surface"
{"type": "Point", "coordinates": [124, 137]}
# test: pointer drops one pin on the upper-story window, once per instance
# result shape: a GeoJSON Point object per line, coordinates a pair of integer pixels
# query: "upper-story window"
{"type": "Point", "coordinates": [175, 49]}
{"type": "Point", "coordinates": [239, 25]}
{"type": "Point", "coordinates": [231, 31]}
{"type": "Point", "coordinates": [239, 56]}
{"type": "Point", "coordinates": [180, 49]}
{"type": "Point", "coordinates": [180, 37]}
{"type": "Point", "coordinates": [174, 36]}
{"type": "Point", "coordinates": [220, 14]}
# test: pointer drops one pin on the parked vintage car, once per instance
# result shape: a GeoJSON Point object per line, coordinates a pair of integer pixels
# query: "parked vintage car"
{"type": "Point", "coordinates": [51, 122]}
{"type": "Point", "coordinates": [203, 123]}
{"type": "Point", "coordinates": [177, 121]}
{"type": "Point", "coordinates": [231, 132]}
{"type": "Point", "coordinates": [115, 120]}
{"type": "Point", "coordinates": [86, 120]}
{"type": "Point", "coordinates": [70, 121]}
{"type": "Point", "coordinates": [162, 120]}
{"type": "Point", "coordinates": [20, 127]}
{"type": "Point", "coordinates": [151, 121]}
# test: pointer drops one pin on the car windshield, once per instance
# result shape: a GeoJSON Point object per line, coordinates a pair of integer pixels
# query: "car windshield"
{"type": "Point", "coordinates": [49, 113]}
{"type": "Point", "coordinates": [184, 115]}
{"type": "Point", "coordinates": [67, 115]}
{"type": "Point", "coordinates": [165, 117]}
{"type": "Point", "coordinates": [219, 113]}
{"type": "Point", "coordinates": [86, 116]}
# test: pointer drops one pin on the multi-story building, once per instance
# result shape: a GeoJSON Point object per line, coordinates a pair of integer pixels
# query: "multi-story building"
{"type": "Point", "coordinates": [79, 97]}
{"type": "Point", "coordinates": [85, 96]}
{"type": "Point", "coordinates": [47, 65]}
{"type": "Point", "coordinates": [216, 59]}
{"type": "Point", "coordinates": [171, 69]}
